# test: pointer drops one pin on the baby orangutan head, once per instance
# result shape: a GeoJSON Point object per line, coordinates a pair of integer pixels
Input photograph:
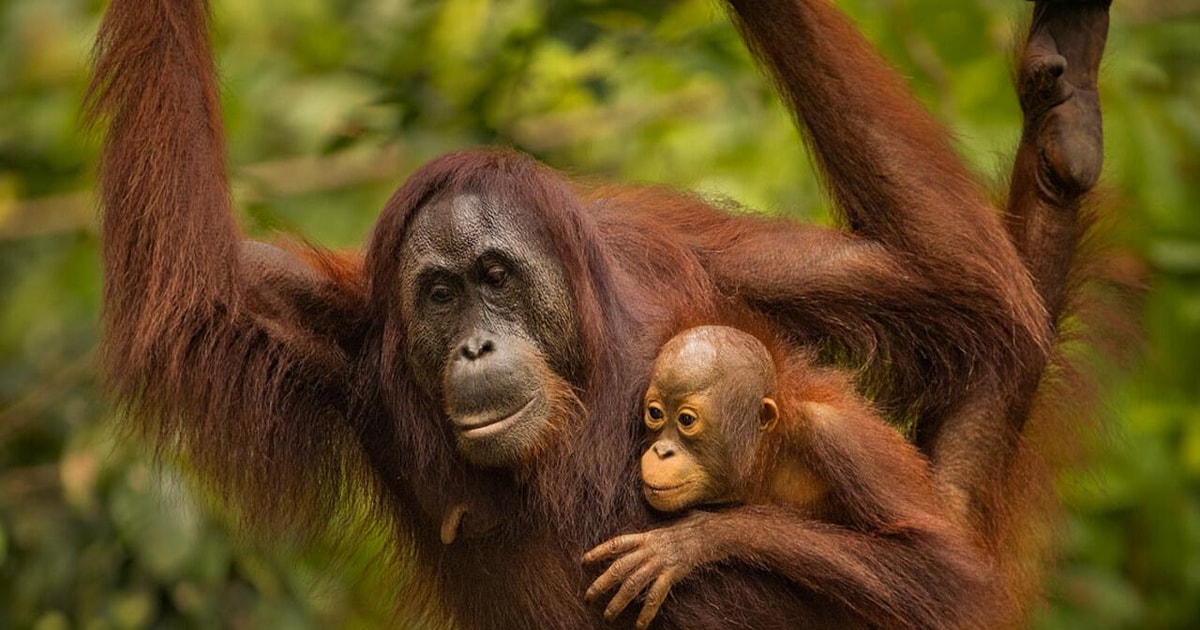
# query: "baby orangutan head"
{"type": "Point", "coordinates": [709, 403]}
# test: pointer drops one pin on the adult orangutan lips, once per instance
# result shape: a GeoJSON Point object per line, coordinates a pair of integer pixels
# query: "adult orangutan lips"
{"type": "Point", "coordinates": [492, 426]}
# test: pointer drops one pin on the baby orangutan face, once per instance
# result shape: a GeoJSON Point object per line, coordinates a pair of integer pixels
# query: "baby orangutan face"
{"type": "Point", "coordinates": [706, 409]}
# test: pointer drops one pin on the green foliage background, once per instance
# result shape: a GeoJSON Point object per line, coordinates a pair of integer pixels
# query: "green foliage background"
{"type": "Point", "coordinates": [330, 103]}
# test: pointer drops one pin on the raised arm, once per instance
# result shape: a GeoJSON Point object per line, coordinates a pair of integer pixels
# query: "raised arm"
{"type": "Point", "coordinates": [944, 299]}
{"type": "Point", "coordinates": [222, 350]}
{"type": "Point", "coordinates": [950, 308]}
{"type": "Point", "coordinates": [885, 159]}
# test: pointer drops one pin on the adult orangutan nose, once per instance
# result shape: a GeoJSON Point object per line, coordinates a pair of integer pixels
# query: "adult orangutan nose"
{"type": "Point", "coordinates": [476, 347]}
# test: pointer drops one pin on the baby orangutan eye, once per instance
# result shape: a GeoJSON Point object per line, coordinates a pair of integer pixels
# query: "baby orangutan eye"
{"type": "Point", "coordinates": [655, 416]}
{"type": "Point", "coordinates": [686, 419]}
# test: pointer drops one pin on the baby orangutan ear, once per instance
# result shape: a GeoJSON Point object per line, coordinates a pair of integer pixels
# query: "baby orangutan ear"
{"type": "Point", "coordinates": [768, 415]}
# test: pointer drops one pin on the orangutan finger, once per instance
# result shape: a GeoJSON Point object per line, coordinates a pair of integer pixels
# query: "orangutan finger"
{"type": "Point", "coordinates": [616, 573]}
{"type": "Point", "coordinates": [633, 585]}
{"type": "Point", "coordinates": [654, 600]}
{"type": "Point", "coordinates": [613, 548]}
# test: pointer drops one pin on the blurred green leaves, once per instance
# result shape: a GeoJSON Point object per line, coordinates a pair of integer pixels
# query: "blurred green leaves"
{"type": "Point", "coordinates": [330, 103]}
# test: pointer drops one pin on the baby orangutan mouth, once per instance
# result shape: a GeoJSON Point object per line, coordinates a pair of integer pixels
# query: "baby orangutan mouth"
{"type": "Point", "coordinates": [660, 496]}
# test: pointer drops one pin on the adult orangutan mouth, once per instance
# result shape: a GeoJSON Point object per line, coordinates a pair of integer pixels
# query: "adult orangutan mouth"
{"type": "Point", "coordinates": [492, 426]}
{"type": "Point", "coordinates": [661, 490]}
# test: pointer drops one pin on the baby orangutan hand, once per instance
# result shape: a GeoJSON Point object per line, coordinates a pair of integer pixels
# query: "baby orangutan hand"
{"type": "Point", "coordinates": [659, 558]}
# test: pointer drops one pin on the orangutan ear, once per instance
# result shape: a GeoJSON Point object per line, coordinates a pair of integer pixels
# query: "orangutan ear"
{"type": "Point", "coordinates": [768, 415]}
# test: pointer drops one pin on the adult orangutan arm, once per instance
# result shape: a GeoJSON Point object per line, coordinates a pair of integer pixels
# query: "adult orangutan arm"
{"type": "Point", "coordinates": [954, 311]}
{"type": "Point", "coordinates": [221, 348]}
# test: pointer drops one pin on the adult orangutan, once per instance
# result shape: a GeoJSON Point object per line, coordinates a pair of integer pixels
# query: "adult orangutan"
{"type": "Point", "coordinates": [481, 370]}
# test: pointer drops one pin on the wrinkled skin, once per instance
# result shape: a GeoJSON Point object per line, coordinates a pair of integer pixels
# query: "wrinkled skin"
{"type": "Point", "coordinates": [1060, 99]}
{"type": "Point", "coordinates": [657, 559]}
{"type": "Point", "coordinates": [1062, 148]}
{"type": "Point", "coordinates": [489, 325]}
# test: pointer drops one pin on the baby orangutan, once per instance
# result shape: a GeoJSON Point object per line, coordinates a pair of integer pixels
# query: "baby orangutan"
{"type": "Point", "coordinates": [726, 428]}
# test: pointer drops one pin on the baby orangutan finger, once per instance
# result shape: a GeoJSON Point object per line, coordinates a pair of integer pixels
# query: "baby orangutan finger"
{"type": "Point", "coordinates": [613, 547]}
{"type": "Point", "coordinates": [629, 590]}
{"type": "Point", "coordinates": [616, 573]}
{"type": "Point", "coordinates": [654, 600]}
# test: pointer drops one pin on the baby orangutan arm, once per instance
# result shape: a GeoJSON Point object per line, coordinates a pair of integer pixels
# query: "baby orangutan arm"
{"type": "Point", "coordinates": [819, 556]}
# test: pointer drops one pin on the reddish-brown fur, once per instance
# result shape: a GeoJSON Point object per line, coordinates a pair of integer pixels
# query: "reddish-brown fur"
{"type": "Point", "coordinates": [891, 534]}
{"type": "Point", "coordinates": [834, 499]}
{"type": "Point", "coordinates": [281, 380]}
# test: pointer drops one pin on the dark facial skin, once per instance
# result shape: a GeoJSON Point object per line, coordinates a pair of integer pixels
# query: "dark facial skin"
{"type": "Point", "coordinates": [489, 326]}
{"type": "Point", "coordinates": [706, 410]}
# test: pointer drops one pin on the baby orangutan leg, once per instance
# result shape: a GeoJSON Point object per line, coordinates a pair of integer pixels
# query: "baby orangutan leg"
{"type": "Point", "coordinates": [1062, 147]}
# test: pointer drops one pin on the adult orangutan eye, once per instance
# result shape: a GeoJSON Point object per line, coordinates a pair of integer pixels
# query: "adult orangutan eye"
{"type": "Point", "coordinates": [496, 275]}
{"type": "Point", "coordinates": [686, 419]}
{"type": "Point", "coordinates": [440, 294]}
